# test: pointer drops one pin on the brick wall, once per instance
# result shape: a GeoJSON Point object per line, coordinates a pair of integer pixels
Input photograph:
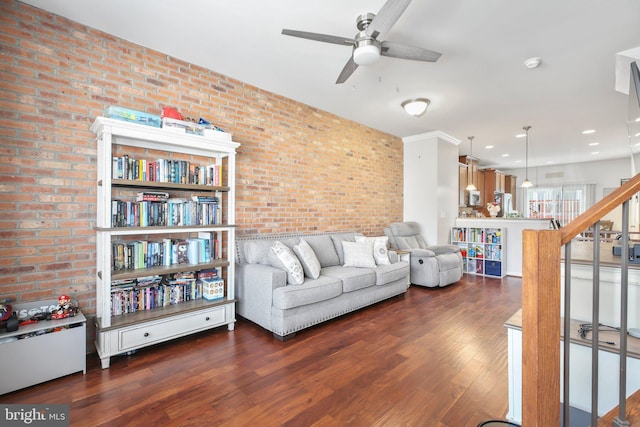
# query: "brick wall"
{"type": "Point", "coordinates": [299, 169]}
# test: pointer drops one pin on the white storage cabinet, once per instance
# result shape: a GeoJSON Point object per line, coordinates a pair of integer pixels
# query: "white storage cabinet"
{"type": "Point", "coordinates": [45, 354]}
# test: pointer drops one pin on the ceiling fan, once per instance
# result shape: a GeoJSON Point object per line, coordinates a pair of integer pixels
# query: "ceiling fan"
{"type": "Point", "coordinates": [366, 46]}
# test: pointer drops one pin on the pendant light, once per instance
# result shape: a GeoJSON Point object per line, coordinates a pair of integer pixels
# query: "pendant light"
{"type": "Point", "coordinates": [526, 183]}
{"type": "Point", "coordinates": [470, 186]}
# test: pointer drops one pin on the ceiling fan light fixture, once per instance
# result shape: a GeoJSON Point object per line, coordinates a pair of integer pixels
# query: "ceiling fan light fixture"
{"type": "Point", "coordinates": [416, 106]}
{"type": "Point", "coordinates": [366, 54]}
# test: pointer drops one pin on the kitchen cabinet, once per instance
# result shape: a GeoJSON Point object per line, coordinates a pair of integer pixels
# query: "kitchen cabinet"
{"type": "Point", "coordinates": [494, 181]}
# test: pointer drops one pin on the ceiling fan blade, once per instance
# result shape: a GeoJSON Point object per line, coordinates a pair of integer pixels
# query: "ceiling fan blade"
{"type": "Point", "coordinates": [388, 15]}
{"type": "Point", "coordinates": [346, 72]}
{"type": "Point", "coordinates": [319, 37]}
{"type": "Point", "coordinates": [403, 51]}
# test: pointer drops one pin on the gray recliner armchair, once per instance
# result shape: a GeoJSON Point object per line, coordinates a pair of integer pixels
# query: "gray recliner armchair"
{"type": "Point", "coordinates": [431, 266]}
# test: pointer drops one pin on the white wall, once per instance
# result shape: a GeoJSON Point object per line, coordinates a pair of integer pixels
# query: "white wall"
{"type": "Point", "coordinates": [431, 184]}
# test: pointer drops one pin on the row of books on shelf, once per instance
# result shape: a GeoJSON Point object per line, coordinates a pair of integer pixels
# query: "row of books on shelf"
{"type": "Point", "coordinates": [476, 235]}
{"type": "Point", "coordinates": [147, 293]}
{"type": "Point", "coordinates": [156, 210]}
{"type": "Point", "coordinates": [166, 170]}
{"type": "Point", "coordinates": [138, 254]}
{"type": "Point", "coordinates": [492, 252]}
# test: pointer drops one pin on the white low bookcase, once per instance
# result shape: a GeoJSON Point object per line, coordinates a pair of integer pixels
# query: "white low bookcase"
{"type": "Point", "coordinates": [45, 355]}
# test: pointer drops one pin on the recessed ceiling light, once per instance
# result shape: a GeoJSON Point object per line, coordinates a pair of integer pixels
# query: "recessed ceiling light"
{"type": "Point", "coordinates": [637, 119]}
{"type": "Point", "coordinates": [521, 135]}
{"type": "Point", "coordinates": [488, 147]}
{"type": "Point", "coordinates": [505, 155]}
{"type": "Point", "coordinates": [550, 162]}
{"type": "Point", "coordinates": [518, 161]}
{"type": "Point", "coordinates": [533, 62]}
{"type": "Point", "coordinates": [588, 131]}
{"type": "Point", "coordinates": [595, 152]}
{"type": "Point", "coordinates": [593, 144]}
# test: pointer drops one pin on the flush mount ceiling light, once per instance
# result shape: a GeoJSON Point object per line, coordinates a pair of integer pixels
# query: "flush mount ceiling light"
{"type": "Point", "coordinates": [533, 62]}
{"type": "Point", "coordinates": [526, 183]}
{"type": "Point", "coordinates": [416, 106]}
{"type": "Point", "coordinates": [470, 186]}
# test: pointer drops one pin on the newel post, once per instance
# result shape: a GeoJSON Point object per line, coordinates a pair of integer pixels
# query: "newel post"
{"type": "Point", "coordinates": [541, 255]}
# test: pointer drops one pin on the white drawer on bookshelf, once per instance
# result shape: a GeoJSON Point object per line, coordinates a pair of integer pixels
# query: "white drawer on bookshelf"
{"type": "Point", "coordinates": [174, 326]}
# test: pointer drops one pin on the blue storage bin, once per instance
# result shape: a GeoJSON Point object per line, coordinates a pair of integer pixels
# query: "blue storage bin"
{"type": "Point", "coordinates": [493, 268]}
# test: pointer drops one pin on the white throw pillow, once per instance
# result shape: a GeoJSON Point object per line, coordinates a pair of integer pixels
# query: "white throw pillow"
{"type": "Point", "coordinates": [308, 258]}
{"type": "Point", "coordinates": [358, 254]}
{"type": "Point", "coordinates": [286, 260]}
{"type": "Point", "coordinates": [380, 252]}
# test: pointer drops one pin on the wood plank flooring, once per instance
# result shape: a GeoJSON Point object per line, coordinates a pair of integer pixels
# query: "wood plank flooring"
{"type": "Point", "coordinates": [433, 357]}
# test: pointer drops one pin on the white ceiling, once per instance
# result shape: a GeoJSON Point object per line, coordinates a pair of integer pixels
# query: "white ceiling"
{"type": "Point", "coordinates": [478, 87]}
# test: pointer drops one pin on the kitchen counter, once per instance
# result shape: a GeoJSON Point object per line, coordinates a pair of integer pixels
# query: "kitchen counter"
{"type": "Point", "coordinates": [513, 241]}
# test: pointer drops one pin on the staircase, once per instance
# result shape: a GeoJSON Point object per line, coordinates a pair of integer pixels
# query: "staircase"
{"type": "Point", "coordinates": [541, 320]}
{"type": "Point", "coordinates": [633, 412]}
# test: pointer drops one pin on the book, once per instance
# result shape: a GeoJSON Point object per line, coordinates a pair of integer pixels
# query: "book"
{"type": "Point", "coordinates": [204, 198]}
{"type": "Point", "coordinates": [181, 252]}
{"type": "Point", "coordinates": [152, 196]}
{"type": "Point", "coordinates": [193, 251]}
{"type": "Point", "coordinates": [212, 273]}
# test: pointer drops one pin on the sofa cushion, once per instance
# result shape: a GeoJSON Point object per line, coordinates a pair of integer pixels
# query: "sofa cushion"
{"type": "Point", "coordinates": [353, 278]}
{"type": "Point", "coordinates": [337, 242]}
{"type": "Point", "coordinates": [324, 249]}
{"type": "Point", "coordinates": [358, 254]}
{"type": "Point", "coordinates": [444, 249]}
{"type": "Point", "coordinates": [311, 291]}
{"type": "Point", "coordinates": [257, 251]}
{"type": "Point", "coordinates": [448, 261]}
{"type": "Point", "coordinates": [407, 235]}
{"type": "Point", "coordinates": [409, 228]}
{"type": "Point", "coordinates": [407, 242]}
{"type": "Point", "coordinates": [380, 252]}
{"type": "Point", "coordinates": [283, 257]}
{"type": "Point", "coordinates": [391, 272]}
{"type": "Point", "coordinates": [308, 259]}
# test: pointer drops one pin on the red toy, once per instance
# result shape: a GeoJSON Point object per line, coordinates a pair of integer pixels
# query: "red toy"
{"type": "Point", "coordinates": [171, 112]}
{"type": "Point", "coordinates": [64, 309]}
{"type": "Point", "coordinates": [8, 318]}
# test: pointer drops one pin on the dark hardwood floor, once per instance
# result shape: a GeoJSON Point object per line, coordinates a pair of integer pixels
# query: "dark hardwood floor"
{"type": "Point", "coordinates": [433, 357]}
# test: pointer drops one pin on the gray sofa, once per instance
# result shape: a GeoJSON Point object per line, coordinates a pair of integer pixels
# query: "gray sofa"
{"type": "Point", "coordinates": [431, 266]}
{"type": "Point", "coordinates": [266, 296]}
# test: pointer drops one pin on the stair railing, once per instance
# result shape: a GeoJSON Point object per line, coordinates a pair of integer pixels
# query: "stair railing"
{"type": "Point", "coordinates": [541, 316]}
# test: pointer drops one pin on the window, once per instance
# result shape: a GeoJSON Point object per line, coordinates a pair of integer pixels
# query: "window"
{"type": "Point", "coordinates": [562, 202]}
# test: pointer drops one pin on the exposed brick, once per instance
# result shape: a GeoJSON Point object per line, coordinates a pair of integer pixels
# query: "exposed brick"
{"type": "Point", "coordinates": [299, 169]}
{"type": "Point", "coordinates": [16, 270]}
